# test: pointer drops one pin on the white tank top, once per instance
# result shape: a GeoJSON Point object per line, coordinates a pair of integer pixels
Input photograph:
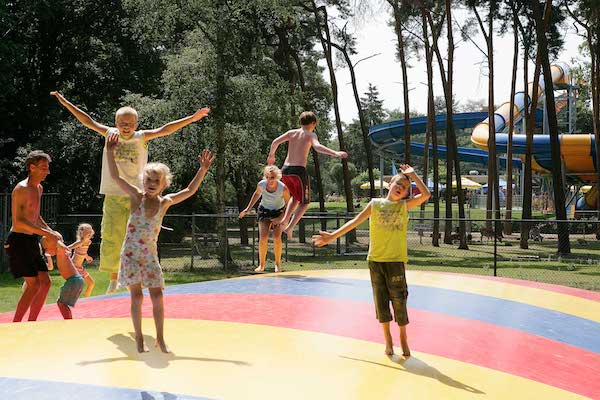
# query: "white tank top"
{"type": "Point", "coordinates": [131, 156]}
{"type": "Point", "coordinates": [272, 201]}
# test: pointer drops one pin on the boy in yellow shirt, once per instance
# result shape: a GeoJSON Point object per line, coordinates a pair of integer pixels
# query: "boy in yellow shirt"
{"type": "Point", "coordinates": [131, 156]}
{"type": "Point", "coordinates": [387, 250]}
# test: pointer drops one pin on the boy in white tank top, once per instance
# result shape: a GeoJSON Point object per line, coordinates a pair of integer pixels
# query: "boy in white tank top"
{"type": "Point", "coordinates": [131, 157]}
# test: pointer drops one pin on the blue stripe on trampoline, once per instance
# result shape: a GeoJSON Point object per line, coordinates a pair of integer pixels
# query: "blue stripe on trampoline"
{"type": "Point", "coordinates": [555, 325]}
{"type": "Point", "coordinates": [28, 389]}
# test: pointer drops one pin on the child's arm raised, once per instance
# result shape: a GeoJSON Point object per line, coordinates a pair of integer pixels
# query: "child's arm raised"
{"type": "Point", "coordinates": [252, 201]}
{"type": "Point", "coordinates": [81, 116]}
{"type": "Point", "coordinates": [206, 159]}
{"type": "Point", "coordinates": [111, 145]}
{"type": "Point", "coordinates": [324, 237]}
{"type": "Point", "coordinates": [319, 148]}
{"type": "Point", "coordinates": [75, 245]}
{"type": "Point", "coordinates": [174, 126]}
{"type": "Point", "coordinates": [425, 193]}
{"type": "Point", "coordinates": [274, 145]}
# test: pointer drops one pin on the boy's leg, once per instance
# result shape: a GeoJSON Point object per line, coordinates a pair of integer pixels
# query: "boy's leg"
{"type": "Point", "coordinates": [263, 243]}
{"type": "Point", "coordinates": [389, 343]}
{"type": "Point", "coordinates": [404, 341]}
{"type": "Point", "coordinates": [289, 229]}
{"type": "Point", "coordinates": [277, 246]}
{"type": "Point", "coordinates": [158, 311]}
{"type": "Point", "coordinates": [115, 214]}
{"type": "Point", "coordinates": [65, 311]}
{"type": "Point", "coordinates": [90, 285]}
{"type": "Point", "coordinates": [398, 292]}
{"type": "Point", "coordinates": [137, 298]}
{"type": "Point", "coordinates": [289, 209]}
{"type": "Point", "coordinates": [31, 288]}
{"type": "Point", "coordinates": [382, 302]}
{"type": "Point", "coordinates": [40, 297]}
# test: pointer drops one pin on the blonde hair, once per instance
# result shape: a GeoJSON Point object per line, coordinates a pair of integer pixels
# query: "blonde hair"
{"type": "Point", "coordinates": [272, 169]}
{"type": "Point", "coordinates": [161, 169]}
{"type": "Point", "coordinates": [399, 177]}
{"type": "Point", "coordinates": [82, 228]}
{"type": "Point", "coordinates": [126, 111]}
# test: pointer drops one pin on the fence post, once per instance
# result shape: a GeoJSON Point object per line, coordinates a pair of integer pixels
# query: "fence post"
{"type": "Point", "coordinates": [254, 242]}
{"type": "Point", "coordinates": [495, 246]}
{"type": "Point", "coordinates": [338, 249]}
{"type": "Point", "coordinates": [193, 249]}
{"type": "Point", "coordinates": [226, 248]}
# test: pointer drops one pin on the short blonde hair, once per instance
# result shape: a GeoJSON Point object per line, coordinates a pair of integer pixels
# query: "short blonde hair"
{"type": "Point", "coordinates": [126, 111]}
{"type": "Point", "coordinates": [161, 169]}
{"type": "Point", "coordinates": [82, 228]}
{"type": "Point", "coordinates": [272, 169]}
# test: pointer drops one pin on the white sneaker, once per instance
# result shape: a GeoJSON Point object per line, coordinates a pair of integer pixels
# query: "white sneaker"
{"type": "Point", "coordinates": [112, 287]}
{"type": "Point", "coordinates": [277, 268]}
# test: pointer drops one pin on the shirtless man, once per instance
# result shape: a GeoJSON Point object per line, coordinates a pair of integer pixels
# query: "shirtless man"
{"type": "Point", "coordinates": [22, 244]}
{"type": "Point", "coordinates": [294, 168]}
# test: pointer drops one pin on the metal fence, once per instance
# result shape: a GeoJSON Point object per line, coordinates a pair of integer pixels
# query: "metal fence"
{"type": "Point", "coordinates": [208, 242]}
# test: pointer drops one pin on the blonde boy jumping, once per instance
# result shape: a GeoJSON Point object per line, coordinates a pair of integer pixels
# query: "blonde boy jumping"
{"type": "Point", "coordinates": [131, 156]}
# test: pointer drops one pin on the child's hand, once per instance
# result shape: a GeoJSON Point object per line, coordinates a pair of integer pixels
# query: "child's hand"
{"type": "Point", "coordinates": [407, 169]}
{"type": "Point", "coordinates": [112, 141]}
{"type": "Point", "coordinates": [89, 259]}
{"type": "Point", "coordinates": [55, 94]}
{"type": "Point", "coordinates": [342, 154]}
{"type": "Point", "coordinates": [206, 159]}
{"type": "Point", "coordinates": [271, 159]}
{"type": "Point", "coordinates": [322, 238]}
{"type": "Point", "coordinates": [243, 213]}
{"type": "Point", "coordinates": [201, 113]}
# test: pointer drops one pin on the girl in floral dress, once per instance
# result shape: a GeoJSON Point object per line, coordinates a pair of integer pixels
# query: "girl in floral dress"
{"type": "Point", "coordinates": [139, 256]}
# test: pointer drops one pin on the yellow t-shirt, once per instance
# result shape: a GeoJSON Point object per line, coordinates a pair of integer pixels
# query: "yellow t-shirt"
{"type": "Point", "coordinates": [388, 225]}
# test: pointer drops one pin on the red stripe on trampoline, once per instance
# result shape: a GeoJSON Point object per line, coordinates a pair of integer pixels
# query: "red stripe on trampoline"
{"type": "Point", "coordinates": [584, 294]}
{"type": "Point", "coordinates": [507, 350]}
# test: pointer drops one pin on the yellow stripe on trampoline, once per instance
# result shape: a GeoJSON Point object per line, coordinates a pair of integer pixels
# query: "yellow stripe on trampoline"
{"type": "Point", "coordinates": [235, 361]}
{"type": "Point", "coordinates": [560, 302]}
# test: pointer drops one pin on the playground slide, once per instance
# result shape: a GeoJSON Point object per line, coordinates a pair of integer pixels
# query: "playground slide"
{"type": "Point", "coordinates": [389, 137]}
{"type": "Point", "coordinates": [577, 150]}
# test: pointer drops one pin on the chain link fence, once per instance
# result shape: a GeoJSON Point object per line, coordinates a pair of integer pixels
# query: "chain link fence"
{"type": "Point", "coordinates": [209, 242]}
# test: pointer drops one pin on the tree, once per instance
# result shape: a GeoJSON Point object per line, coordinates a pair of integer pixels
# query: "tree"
{"type": "Point", "coordinates": [564, 246]}
{"type": "Point", "coordinates": [452, 160]}
{"type": "Point", "coordinates": [347, 48]}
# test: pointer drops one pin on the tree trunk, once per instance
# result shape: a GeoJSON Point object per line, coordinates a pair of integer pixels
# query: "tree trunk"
{"type": "Point", "coordinates": [323, 28]}
{"type": "Point", "coordinates": [404, 66]}
{"type": "Point", "coordinates": [450, 132]}
{"type": "Point", "coordinates": [361, 117]}
{"type": "Point", "coordinates": [530, 113]}
{"type": "Point", "coordinates": [511, 128]}
{"type": "Point", "coordinates": [431, 130]}
{"type": "Point", "coordinates": [564, 245]}
{"type": "Point", "coordinates": [315, 155]}
{"type": "Point", "coordinates": [219, 118]}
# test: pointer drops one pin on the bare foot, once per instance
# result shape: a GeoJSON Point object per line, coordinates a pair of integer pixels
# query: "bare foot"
{"type": "Point", "coordinates": [112, 287]}
{"type": "Point", "coordinates": [141, 346]}
{"type": "Point", "coordinates": [162, 345]}
{"type": "Point", "coordinates": [277, 268]}
{"type": "Point", "coordinates": [389, 351]}
{"type": "Point", "coordinates": [405, 350]}
{"type": "Point", "coordinates": [260, 268]}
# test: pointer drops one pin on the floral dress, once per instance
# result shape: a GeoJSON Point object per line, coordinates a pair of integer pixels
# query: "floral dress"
{"type": "Point", "coordinates": [139, 254]}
